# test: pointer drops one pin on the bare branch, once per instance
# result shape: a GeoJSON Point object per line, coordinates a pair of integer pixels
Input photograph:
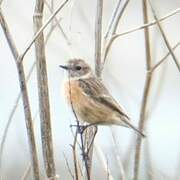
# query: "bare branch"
{"type": "Point", "coordinates": [115, 36]}
{"type": "Point", "coordinates": [142, 120]}
{"type": "Point", "coordinates": [111, 22]}
{"type": "Point", "coordinates": [164, 58]}
{"type": "Point", "coordinates": [115, 21]}
{"type": "Point", "coordinates": [67, 164]}
{"type": "Point", "coordinates": [21, 57]}
{"type": "Point", "coordinates": [44, 107]}
{"type": "Point", "coordinates": [26, 105]}
{"type": "Point", "coordinates": [98, 37]}
{"type": "Point", "coordinates": [147, 24]}
{"type": "Point", "coordinates": [84, 154]}
{"type": "Point", "coordinates": [102, 159]}
{"type": "Point", "coordinates": [117, 156]}
{"type": "Point", "coordinates": [119, 14]}
{"type": "Point", "coordinates": [14, 108]}
{"type": "Point", "coordinates": [75, 157]}
{"type": "Point", "coordinates": [27, 172]}
{"type": "Point", "coordinates": [58, 24]}
{"type": "Point", "coordinates": [164, 37]}
{"type": "Point", "coordinates": [1, 1]}
{"type": "Point", "coordinates": [5, 133]}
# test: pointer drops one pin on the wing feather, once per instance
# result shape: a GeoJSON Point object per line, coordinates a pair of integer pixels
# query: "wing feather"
{"type": "Point", "coordinates": [95, 88]}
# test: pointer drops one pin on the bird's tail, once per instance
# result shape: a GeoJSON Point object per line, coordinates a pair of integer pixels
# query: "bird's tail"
{"type": "Point", "coordinates": [128, 124]}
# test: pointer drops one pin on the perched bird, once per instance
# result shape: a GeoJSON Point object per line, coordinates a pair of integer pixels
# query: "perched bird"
{"type": "Point", "coordinates": [90, 99]}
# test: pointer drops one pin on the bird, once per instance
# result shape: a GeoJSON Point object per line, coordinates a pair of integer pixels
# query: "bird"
{"type": "Point", "coordinates": [90, 99]}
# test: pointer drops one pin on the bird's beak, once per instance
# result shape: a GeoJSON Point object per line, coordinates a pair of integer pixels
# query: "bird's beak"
{"type": "Point", "coordinates": [64, 67]}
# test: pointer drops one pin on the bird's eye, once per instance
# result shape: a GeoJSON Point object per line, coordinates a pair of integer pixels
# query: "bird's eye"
{"type": "Point", "coordinates": [78, 68]}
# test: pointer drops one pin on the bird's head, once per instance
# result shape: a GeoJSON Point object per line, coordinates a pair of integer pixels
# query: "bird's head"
{"type": "Point", "coordinates": [77, 68]}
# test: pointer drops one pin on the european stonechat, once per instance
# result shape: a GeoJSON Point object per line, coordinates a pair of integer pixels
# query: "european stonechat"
{"type": "Point", "coordinates": [90, 99]}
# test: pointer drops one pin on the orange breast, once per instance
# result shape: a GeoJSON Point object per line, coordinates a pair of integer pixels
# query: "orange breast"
{"type": "Point", "coordinates": [73, 92]}
{"type": "Point", "coordinates": [85, 107]}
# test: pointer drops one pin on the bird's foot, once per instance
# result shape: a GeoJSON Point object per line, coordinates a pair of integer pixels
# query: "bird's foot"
{"type": "Point", "coordinates": [80, 128]}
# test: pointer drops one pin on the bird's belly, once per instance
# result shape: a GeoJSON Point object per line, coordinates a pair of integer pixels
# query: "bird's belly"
{"type": "Point", "coordinates": [86, 108]}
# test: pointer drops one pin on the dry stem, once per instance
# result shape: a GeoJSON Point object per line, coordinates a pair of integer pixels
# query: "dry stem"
{"type": "Point", "coordinates": [167, 16]}
{"type": "Point", "coordinates": [14, 108]}
{"type": "Point", "coordinates": [98, 37]}
{"type": "Point", "coordinates": [164, 37]}
{"type": "Point", "coordinates": [78, 129]}
{"type": "Point", "coordinates": [68, 166]}
{"type": "Point", "coordinates": [46, 131]}
{"type": "Point", "coordinates": [41, 29]}
{"type": "Point", "coordinates": [109, 37]}
{"type": "Point", "coordinates": [26, 105]}
{"type": "Point", "coordinates": [102, 159]}
{"type": "Point", "coordinates": [75, 157]}
{"type": "Point", "coordinates": [146, 92]}
{"type": "Point", "coordinates": [164, 58]}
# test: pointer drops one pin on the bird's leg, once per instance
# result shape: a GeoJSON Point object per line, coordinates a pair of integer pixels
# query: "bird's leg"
{"type": "Point", "coordinates": [81, 128]}
{"type": "Point", "coordinates": [92, 140]}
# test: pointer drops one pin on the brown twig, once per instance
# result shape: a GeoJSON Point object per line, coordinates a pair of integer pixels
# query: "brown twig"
{"type": "Point", "coordinates": [69, 169]}
{"type": "Point", "coordinates": [25, 99]}
{"type": "Point", "coordinates": [146, 92]}
{"type": "Point", "coordinates": [103, 161]}
{"type": "Point", "coordinates": [163, 59]}
{"type": "Point", "coordinates": [90, 132]}
{"type": "Point", "coordinates": [44, 107]}
{"type": "Point", "coordinates": [164, 37]}
{"type": "Point", "coordinates": [117, 156]}
{"type": "Point", "coordinates": [27, 172]}
{"type": "Point", "coordinates": [98, 37]}
{"type": "Point", "coordinates": [167, 16]}
{"type": "Point", "coordinates": [41, 29]}
{"type": "Point", "coordinates": [84, 154]}
{"type": "Point", "coordinates": [58, 24]}
{"type": "Point", "coordinates": [14, 108]}
{"type": "Point", "coordinates": [111, 22]}
{"type": "Point", "coordinates": [109, 37]}
{"type": "Point", "coordinates": [28, 168]}
{"type": "Point", "coordinates": [76, 172]}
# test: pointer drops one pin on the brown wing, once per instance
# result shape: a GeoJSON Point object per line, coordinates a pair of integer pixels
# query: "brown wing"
{"type": "Point", "coordinates": [95, 88]}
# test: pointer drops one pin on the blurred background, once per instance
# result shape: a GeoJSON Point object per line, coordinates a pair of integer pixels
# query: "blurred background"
{"type": "Point", "coordinates": [124, 74]}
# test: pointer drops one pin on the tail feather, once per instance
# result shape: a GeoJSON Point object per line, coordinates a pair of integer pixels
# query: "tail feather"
{"type": "Point", "coordinates": [128, 124]}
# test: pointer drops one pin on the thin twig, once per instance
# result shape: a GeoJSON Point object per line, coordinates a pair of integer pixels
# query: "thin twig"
{"type": "Point", "coordinates": [98, 37]}
{"type": "Point", "coordinates": [90, 132]}
{"type": "Point", "coordinates": [147, 24]}
{"type": "Point", "coordinates": [75, 162]}
{"type": "Point", "coordinates": [118, 13]}
{"type": "Point", "coordinates": [77, 168]}
{"type": "Point", "coordinates": [27, 172]}
{"type": "Point", "coordinates": [44, 107]}
{"type": "Point", "coordinates": [142, 120]}
{"type": "Point", "coordinates": [85, 156]}
{"type": "Point", "coordinates": [164, 37]}
{"type": "Point", "coordinates": [52, 11]}
{"type": "Point", "coordinates": [117, 156]}
{"type": "Point", "coordinates": [164, 58]}
{"type": "Point", "coordinates": [25, 98]}
{"type": "Point", "coordinates": [111, 22]}
{"type": "Point", "coordinates": [103, 161]}
{"type": "Point", "coordinates": [58, 24]}
{"type": "Point", "coordinates": [1, 2]}
{"type": "Point", "coordinates": [17, 103]}
{"type": "Point", "coordinates": [67, 164]}
{"type": "Point", "coordinates": [41, 29]}
{"type": "Point", "coordinates": [15, 106]}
